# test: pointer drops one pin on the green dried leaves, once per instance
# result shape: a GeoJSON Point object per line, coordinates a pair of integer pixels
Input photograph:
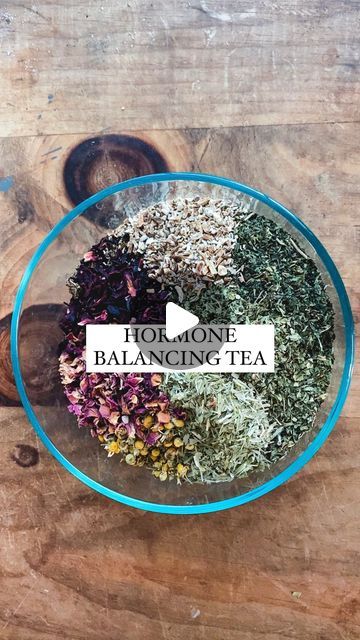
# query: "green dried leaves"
{"type": "Point", "coordinates": [277, 283]}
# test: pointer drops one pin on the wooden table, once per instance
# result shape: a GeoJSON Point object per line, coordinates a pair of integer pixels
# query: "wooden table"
{"type": "Point", "coordinates": [264, 92]}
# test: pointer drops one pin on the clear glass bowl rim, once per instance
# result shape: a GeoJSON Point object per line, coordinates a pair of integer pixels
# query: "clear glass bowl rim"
{"type": "Point", "coordinates": [314, 445]}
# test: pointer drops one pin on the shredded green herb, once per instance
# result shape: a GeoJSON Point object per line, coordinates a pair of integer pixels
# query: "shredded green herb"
{"type": "Point", "coordinates": [278, 284]}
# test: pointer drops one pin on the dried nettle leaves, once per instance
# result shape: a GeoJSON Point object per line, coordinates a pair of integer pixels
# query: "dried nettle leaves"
{"type": "Point", "coordinates": [277, 283]}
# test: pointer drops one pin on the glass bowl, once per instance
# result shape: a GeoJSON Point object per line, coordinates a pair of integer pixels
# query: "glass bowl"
{"type": "Point", "coordinates": [35, 336]}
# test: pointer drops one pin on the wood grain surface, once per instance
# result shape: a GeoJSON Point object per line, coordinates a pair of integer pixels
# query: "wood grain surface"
{"type": "Point", "coordinates": [72, 67]}
{"type": "Point", "coordinates": [263, 92]}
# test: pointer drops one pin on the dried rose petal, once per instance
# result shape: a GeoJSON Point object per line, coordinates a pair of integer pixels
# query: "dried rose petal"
{"type": "Point", "coordinates": [151, 438]}
{"type": "Point", "coordinates": [114, 417]}
{"type": "Point", "coordinates": [156, 379]}
{"type": "Point", "coordinates": [104, 411]}
{"type": "Point", "coordinates": [88, 256]}
{"type": "Point", "coordinates": [163, 417]}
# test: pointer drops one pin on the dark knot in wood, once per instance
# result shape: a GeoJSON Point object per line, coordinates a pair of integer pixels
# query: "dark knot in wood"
{"type": "Point", "coordinates": [25, 455]}
{"type": "Point", "coordinates": [99, 162]}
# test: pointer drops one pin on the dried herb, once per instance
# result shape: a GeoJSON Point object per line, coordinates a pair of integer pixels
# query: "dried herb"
{"type": "Point", "coordinates": [228, 431]}
{"type": "Point", "coordinates": [277, 283]}
{"type": "Point", "coordinates": [186, 243]}
{"type": "Point", "coordinates": [112, 285]}
{"type": "Point", "coordinates": [129, 414]}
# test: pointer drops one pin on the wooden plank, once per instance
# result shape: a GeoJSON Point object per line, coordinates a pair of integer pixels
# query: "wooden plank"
{"type": "Point", "coordinates": [72, 67]}
{"type": "Point", "coordinates": [76, 565]}
{"type": "Point", "coordinates": [266, 93]}
{"type": "Point", "coordinates": [121, 573]}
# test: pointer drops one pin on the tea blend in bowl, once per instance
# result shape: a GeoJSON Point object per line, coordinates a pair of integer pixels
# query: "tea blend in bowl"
{"type": "Point", "coordinates": [226, 266]}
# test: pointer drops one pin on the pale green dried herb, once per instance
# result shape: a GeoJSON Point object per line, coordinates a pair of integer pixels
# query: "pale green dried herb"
{"type": "Point", "coordinates": [227, 424]}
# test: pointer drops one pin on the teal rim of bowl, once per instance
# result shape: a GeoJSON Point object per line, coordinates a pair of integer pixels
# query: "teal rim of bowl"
{"type": "Point", "coordinates": [315, 444]}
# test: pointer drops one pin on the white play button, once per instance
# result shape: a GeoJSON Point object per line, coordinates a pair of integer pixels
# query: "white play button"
{"type": "Point", "coordinates": [178, 320]}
